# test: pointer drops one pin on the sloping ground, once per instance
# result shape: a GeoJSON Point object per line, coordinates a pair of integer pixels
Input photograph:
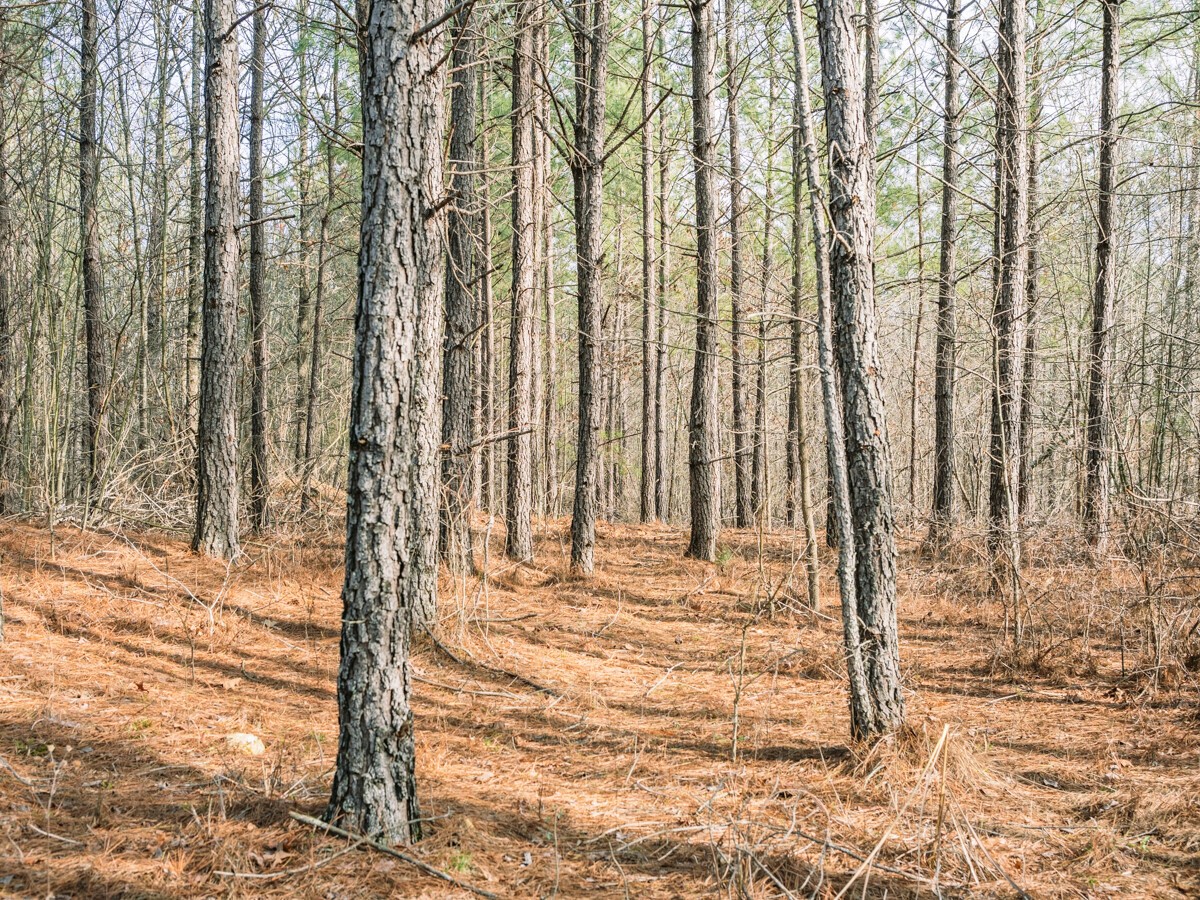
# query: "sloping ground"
{"type": "Point", "coordinates": [576, 738]}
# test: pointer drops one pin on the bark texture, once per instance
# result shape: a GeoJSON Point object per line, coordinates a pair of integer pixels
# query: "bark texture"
{"type": "Point", "coordinates": [518, 508]}
{"type": "Point", "coordinates": [458, 369]}
{"type": "Point", "coordinates": [1099, 422]}
{"type": "Point", "coordinates": [852, 294]}
{"type": "Point", "coordinates": [260, 484]}
{"type": "Point", "coordinates": [89, 242]}
{"type": "Point", "coordinates": [703, 450]}
{"type": "Point", "coordinates": [217, 440]}
{"type": "Point", "coordinates": [941, 521]}
{"type": "Point", "coordinates": [590, 38]}
{"type": "Point", "coordinates": [395, 422]}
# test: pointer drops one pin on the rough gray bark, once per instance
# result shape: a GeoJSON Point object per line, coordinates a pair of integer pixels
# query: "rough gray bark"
{"type": "Point", "coordinates": [260, 485]}
{"type": "Point", "coordinates": [649, 286]}
{"type": "Point", "coordinates": [217, 440]}
{"type": "Point", "coordinates": [1100, 363]}
{"type": "Point", "coordinates": [1009, 309]}
{"type": "Point", "coordinates": [743, 516]}
{"type": "Point", "coordinates": [590, 33]}
{"type": "Point", "coordinates": [89, 241]}
{"type": "Point", "coordinates": [703, 451]}
{"type": "Point", "coordinates": [518, 508]}
{"type": "Point", "coordinates": [851, 206]}
{"type": "Point", "coordinates": [798, 507]}
{"type": "Point", "coordinates": [195, 282]}
{"type": "Point", "coordinates": [941, 522]}
{"type": "Point", "coordinates": [759, 505]}
{"type": "Point", "coordinates": [840, 509]}
{"type": "Point", "coordinates": [458, 370]}
{"type": "Point", "coordinates": [395, 421]}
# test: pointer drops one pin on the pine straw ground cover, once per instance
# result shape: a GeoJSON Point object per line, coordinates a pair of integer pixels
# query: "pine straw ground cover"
{"type": "Point", "coordinates": [576, 738]}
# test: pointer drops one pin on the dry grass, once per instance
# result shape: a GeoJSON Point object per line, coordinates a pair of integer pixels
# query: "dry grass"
{"type": "Point", "coordinates": [579, 737]}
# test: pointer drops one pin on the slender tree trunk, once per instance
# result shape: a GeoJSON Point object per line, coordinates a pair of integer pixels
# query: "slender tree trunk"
{"type": "Point", "coordinates": [260, 482]}
{"type": "Point", "coordinates": [156, 304]}
{"type": "Point", "coordinates": [89, 238]}
{"type": "Point", "coordinates": [1031, 288]}
{"type": "Point", "coordinates": [1009, 311]}
{"type": "Point", "coordinates": [304, 299]}
{"type": "Point", "coordinates": [852, 294]}
{"type": "Point", "coordinates": [743, 516]}
{"type": "Point", "coordinates": [1100, 363]}
{"type": "Point", "coordinates": [195, 285]}
{"type": "Point", "coordinates": [661, 504]}
{"type": "Point", "coordinates": [799, 507]}
{"type": "Point", "coordinates": [395, 422]}
{"type": "Point", "coordinates": [649, 288]}
{"type": "Point", "coordinates": [914, 370]}
{"type": "Point", "coordinates": [759, 505]}
{"type": "Point", "coordinates": [941, 521]}
{"type": "Point", "coordinates": [590, 35]}
{"type": "Point", "coordinates": [550, 398]}
{"type": "Point", "coordinates": [216, 471]}
{"type": "Point", "coordinates": [703, 450]}
{"type": "Point", "coordinates": [518, 509]}
{"type": "Point", "coordinates": [458, 356]}
{"type": "Point", "coordinates": [7, 325]}
{"type": "Point", "coordinates": [487, 349]}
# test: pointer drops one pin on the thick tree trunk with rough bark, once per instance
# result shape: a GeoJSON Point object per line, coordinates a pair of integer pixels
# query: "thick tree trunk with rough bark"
{"type": "Point", "coordinates": [395, 422]}
{"type": "Point", "coordinates": [703, 450]}
{"type": "Point", "coordinates": [217, 441]}
{"type": "Point", "coordinates": [260, 484]}
{"type": "Point", "coordinates": [518, 508]}
{"type": "Point", "coordinates": [1009, 310]}
{"type": "Point", "coordinates": [941, 521]}
{"type": "Point", "coordinates": [855, 342]}
{"type": "Point", "coordinates": [590, 33]}
{"type": "Point", "coordinates": [89, 241]}
{"type": "Point", "coordinates": [1100, 363]}
{"type": "Point", "coordinates": [458, 369]}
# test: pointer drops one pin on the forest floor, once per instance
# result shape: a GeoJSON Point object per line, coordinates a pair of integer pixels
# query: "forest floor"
{"type": "Point", "coordinates": [576, 738]}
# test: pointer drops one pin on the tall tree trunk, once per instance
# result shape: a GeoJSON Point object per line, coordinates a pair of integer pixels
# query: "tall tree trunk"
{"type": "Point", "coordinates": [649, 288]}
{"type": "Point", "coordinates": [550, 398]}
{"type": "Point", "coordinates": [89, 239]}
{"type": "Point", "coordinates": [1031, 283]}
{"type": "Point", "coordinates": [458, 356]}
{"type": "Point", "coordinates": [855, 342]}
{"type": "Point", "coordinates": [759, 505]}
{"type": "Point", "coordinates": [1099, 414]}
{"type": "Point", "coordinates": [661, 504]}
{"type": "Point", "coordinates": [395, 422]}
{"type": "Point", "coordinates": [7, 325]}
{"type": "Point", "coordinates": [216, 470]}
{"type": "Point", "coordinates": [518, 508]}
{"type": "Point", "coordinates": [487, 319]}
{"type": "Point", "coordinates": [156, 303]}
{"type": "Point", "coordinates": [798, 507]}
{"type": "Point", "coordinates": [941, 522]}
{"type": "Point", "coordinates": [1009, 311]}
{"type": "Point", "coordinates": [195, 283]}
{"type": "Point", "coordinates": [304, 298]}
{"type": "Point", "coordinates": [590, 33]}
{"type": "Point", "coordinates": [743, 516]}
{"type": "Point", "coordinates": [703, 451]}
{"type": "Point", "coordinates": [260, 483]}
